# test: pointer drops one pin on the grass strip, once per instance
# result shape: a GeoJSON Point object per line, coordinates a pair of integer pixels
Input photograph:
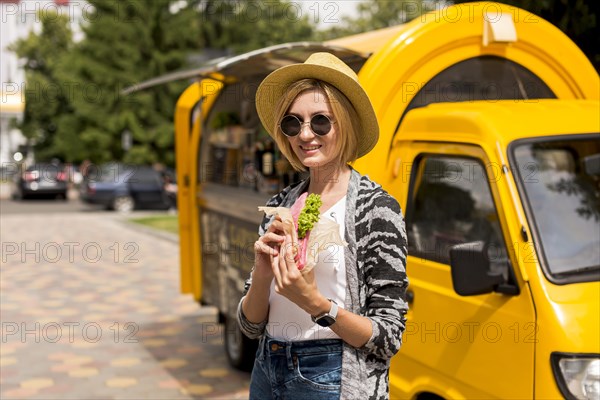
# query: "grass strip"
{"type": "Point", "coordinates": [169, 223]}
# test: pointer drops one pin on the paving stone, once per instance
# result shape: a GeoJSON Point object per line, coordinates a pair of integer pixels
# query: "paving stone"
{"type": "Point", "coordinates": [87, 328]}
{"type": "Point", "coordinates": [121, 382]}
{"type": "Point", "coordinates": [38, 383]}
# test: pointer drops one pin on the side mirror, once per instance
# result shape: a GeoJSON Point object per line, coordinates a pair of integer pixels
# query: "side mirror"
{"type": "Point", "coordinates": [470, 267]}
{"type": "Point", "coordinates": [591, 164]}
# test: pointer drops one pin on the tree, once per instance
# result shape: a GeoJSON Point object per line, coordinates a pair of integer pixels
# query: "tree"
{"type": "Point", "coordinates": [46, 98]}
{"type": "Point", "coordinates": [132, 41]}
{"type": "Point", "coordinates": [126, 43]}
{"type": "Point", "coordinates": [242, 26]}
{"type": "Point", "coordinates": [261, 24]}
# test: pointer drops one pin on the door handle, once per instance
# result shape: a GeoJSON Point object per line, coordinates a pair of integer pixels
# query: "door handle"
{"type": "Point", "coordinates": [410, 296]}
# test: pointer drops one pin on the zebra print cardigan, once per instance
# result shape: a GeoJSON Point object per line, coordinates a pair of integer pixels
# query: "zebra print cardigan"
{"type": "Point", "coordinates": [376, 286]}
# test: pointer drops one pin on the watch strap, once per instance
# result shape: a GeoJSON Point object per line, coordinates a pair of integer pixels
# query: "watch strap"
{"type": "Point", "coordinates": [333, 311]}
{"type": "Point", "coordinates": [330, 315]}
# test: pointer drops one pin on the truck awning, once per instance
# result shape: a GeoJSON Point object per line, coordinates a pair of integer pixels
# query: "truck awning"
{"type": "Point", "coordinates": [257, 62]}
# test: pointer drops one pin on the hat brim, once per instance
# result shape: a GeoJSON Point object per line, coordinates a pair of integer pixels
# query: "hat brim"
{"type": "Point", "coordinates": [274, 86]}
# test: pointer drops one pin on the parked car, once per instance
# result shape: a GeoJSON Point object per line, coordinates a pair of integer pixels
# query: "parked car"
{"type": "Point", "coordinates": [41, 179]}
{"type": "Point", "coordinates": [125, 188]}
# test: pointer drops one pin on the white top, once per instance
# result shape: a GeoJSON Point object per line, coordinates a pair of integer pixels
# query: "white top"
{"type": "Point", "coordinates": [287, 321]}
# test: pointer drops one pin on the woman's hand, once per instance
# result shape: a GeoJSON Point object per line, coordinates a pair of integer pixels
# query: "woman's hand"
{"type": "Point", "coordinates": [299, 288]}
{"type": "Point", "coordinates": [267, 247]}
{"type": "Point", "coordinates": [302, 290]}
{"type": "Point", "coordinates": [255, 305]}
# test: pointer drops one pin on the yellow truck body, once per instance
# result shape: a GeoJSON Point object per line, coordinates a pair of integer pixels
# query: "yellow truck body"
{"type": "Point", "coordinates": [490, 121]}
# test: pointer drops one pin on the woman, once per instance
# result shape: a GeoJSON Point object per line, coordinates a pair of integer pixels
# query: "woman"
{"type": "Point", "coordinates": [328, 333]}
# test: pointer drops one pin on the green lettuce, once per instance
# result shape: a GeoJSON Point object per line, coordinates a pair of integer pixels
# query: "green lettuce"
{"type": "Point", "coordinates": [309, 215]}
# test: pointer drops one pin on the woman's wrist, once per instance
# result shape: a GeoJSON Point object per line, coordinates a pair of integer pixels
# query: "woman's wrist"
{"type": "Point", "coordinates": [319, 306]}
{"type": "Point", "coordinates": [261, 283]}
{"type": "Point", "coordinates": [255, 305]}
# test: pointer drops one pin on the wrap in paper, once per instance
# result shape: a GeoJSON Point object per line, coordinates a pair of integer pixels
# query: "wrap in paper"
{"type": "Point", "coordinates": [323, 234]}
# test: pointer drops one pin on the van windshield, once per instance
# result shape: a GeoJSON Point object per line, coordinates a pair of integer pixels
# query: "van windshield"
{"type": "Point", "coordinates": [561, 182]}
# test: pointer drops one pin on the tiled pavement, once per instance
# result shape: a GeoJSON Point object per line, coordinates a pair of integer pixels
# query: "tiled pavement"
{"type": "Point", "coordinates": [91, 309]}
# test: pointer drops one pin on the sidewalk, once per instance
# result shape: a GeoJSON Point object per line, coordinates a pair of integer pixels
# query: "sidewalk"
{"type": "Point", "coordinates": [5, 188]}
{"type": "Point", "coordinates": [91, 309]}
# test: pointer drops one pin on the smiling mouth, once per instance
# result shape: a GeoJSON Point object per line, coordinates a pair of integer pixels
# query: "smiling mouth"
{"type": "Point", "coordinates": [310, 148]}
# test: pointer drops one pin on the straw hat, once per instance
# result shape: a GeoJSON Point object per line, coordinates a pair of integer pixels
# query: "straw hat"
{"type": "Point", "coordinates": [327, 68]}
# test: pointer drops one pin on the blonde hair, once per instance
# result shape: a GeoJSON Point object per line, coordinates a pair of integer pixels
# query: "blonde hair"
{"type": "Point", "coordinates": [344, 114]}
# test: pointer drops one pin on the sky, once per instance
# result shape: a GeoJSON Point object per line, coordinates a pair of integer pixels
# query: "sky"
{"type": "Point", "coordinates": [327, 12]}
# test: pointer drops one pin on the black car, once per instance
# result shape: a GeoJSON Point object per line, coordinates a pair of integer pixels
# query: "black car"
{"type": "Point", "coordinates": [41, 179]}
{"type": "Point", "coordinates": [124, 188]}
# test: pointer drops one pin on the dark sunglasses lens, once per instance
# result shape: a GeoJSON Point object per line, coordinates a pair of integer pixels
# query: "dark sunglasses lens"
{"type": "Point", "coordinates": [290, 125]}
{"type": "Point", "coordinates": [320, 124]}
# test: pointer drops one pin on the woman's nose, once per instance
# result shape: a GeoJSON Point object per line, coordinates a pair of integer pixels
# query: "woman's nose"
{"type": "Point", "coordinates": [305, 131]}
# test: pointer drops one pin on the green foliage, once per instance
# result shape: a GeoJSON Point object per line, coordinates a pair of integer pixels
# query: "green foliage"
{"type": "Point", "coordinates": [126, 43]}
{"type": "Point", "coordinates": [242, 26]}
{"type": "Point", "coordinates": [169, 223]}
{"type": "Point", "coordinates": [268, 23]}
{"type": "Point", "coordinates": [224, 119]}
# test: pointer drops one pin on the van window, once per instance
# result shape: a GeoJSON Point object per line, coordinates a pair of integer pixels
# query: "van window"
{"type": "Point", "coordinates": [560, 179]}
{"type": "Point", "coordinates": [142, 175]}
{"type": "Point", "coordinates": [452, 204]}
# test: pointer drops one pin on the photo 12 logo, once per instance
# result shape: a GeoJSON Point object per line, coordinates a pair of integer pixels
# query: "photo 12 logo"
{"type": "Point", "coordinates": [53, 332]}
{"type": "Point", "coordinates": [471, 332]}
{"type": "Point", "coordinates": [29, 10]}
{"type": "Point", "coordinates": [55, 252]}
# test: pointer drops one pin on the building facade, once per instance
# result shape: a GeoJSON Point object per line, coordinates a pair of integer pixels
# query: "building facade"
{"type": "Point", "coordinates": [17, 19]}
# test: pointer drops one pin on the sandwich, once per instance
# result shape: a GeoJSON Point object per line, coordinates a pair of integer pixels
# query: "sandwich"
{"type": "Point", "coordinates": [310, 233]}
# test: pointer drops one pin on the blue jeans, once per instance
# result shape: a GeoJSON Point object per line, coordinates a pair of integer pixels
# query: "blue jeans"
{"type": "Point", "coordinates": [310, 370]}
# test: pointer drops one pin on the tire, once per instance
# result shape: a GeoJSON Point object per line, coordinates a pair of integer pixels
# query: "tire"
{"type": "Point", "coordinates": [239, 349]}
{"type": "Point", "coordinates": [123, 204]}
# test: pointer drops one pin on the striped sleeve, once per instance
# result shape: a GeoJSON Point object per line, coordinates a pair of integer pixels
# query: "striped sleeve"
{"type": "Point", "coordinates": [250, 329]}
{"type": "Point", "coordinates": [382, 242]}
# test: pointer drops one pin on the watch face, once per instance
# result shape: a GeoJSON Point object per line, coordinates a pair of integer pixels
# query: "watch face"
{"type": "Point", "coordinates": [325, 321]}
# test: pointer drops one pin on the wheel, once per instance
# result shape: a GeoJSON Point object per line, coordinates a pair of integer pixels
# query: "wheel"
{"type": "Point", "coordinates": [123, 204]}
{"type": "Point", "coordinates": [240, 350]}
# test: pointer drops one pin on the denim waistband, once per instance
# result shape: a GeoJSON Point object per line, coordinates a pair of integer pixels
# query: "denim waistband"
{"type": "Point", "coordinates": [303, 346]}
{"type": "Point", "coordinates": [273, 347]}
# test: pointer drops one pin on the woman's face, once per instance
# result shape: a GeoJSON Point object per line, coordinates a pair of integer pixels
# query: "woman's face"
{"type": "Point", "coordinates": [311, 149]}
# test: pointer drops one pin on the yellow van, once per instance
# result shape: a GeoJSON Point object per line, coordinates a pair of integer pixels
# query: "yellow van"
{"type": "Point", "coordinates": [490, 141]}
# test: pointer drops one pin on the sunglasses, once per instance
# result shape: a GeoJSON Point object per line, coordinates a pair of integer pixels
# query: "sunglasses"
{"type": "Point", "coordinates": [320, 124]}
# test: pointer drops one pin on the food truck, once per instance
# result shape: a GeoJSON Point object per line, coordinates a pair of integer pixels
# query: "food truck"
{"type": "Point", "coordinates": [489, 140]}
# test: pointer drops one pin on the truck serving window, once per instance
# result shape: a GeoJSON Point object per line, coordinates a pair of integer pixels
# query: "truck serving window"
{"type": "Point", "coordinates": [236, 150]}
{"type": "Point", "coordinates": [560, 178]}
{"type": "Point", "coordinates": [453, 204]}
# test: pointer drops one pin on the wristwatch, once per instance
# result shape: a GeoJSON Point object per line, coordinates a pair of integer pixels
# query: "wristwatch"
{"type": "Point", "coordinates": [328, 318]}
